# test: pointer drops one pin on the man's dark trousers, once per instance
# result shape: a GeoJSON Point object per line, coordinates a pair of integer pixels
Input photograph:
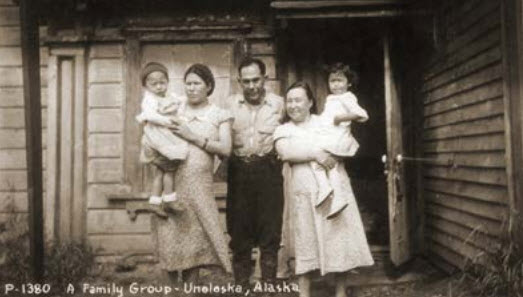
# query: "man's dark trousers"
{"type": "Point", "coordinates": [254, 214]}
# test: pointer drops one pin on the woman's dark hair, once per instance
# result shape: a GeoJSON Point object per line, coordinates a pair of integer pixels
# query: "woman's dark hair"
{"type": "Point", "coordinates": [308, 92]}
{"type": "Point", "coordinates": [204, 73]}
{"type": "Point", "coordinates": [351, 75]}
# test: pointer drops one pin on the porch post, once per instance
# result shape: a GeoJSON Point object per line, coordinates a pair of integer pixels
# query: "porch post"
{"type": "Point", "coordinates": [33, 130]}
{"type": "Point", "coordinates": [511, 15]}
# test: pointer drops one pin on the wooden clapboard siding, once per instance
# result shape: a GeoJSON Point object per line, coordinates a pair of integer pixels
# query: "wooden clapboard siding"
{"type": "Point", "coordinates": [108, 225]}
{"type": "Point", "coordinates": [465, 181]}
{"type": "Point", "coordinates": [118, 244]}
{"type": "Point", "coordinates": [13, 167]}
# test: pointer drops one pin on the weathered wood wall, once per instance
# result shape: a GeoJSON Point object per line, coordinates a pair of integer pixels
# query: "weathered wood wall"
{"type": "Point", "coordinates": [108, 226]}
{"type": "Point", "coordinates": [463, 132]}
{"type": "Point", "coordinates": [13, 175]}
{"type": "Point", "coordinates": [112, 143]}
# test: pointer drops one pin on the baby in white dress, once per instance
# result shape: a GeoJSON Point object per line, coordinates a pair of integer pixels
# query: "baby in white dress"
{"type": "Point", "coordinates": [160, 146]}
{"type": "Point", "coordinates": [334, 134]}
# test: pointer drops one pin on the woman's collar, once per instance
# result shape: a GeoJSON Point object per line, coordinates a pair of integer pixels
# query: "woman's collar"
{"type": "Point", "coordinates": [311, 119]}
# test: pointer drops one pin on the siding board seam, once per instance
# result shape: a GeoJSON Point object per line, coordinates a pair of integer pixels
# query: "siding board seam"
{"type": "Point", "coordinates": [457, 108]}
{"type": "Point", "coordinates": [104, 132]}
{"type": "Point", "coordinates": [441, 263]}
{"type": "Point", "coordinates": [458, 241]}
{"type": "Point", "coordinates": [435, 209]}
{"type": "Point", "coordinates": [472, 243]}
{"type": "Point", "coordinates": [117, 233]}
{"type": "Point", "coordinates": [438, 191]}
{"type": "Point", "coordinates": [430, 175]}
{"type": "Point", "coordinates": [466, 104]}
{"type": "Point", "coordinates": [99, 107]}
{"type": "Point", "coordinates": [465, 73]}
{"type": "Point", "coordinates": [442, 258]}
{"type": "Point", "coordinates": [452, 48]}
{"type": "Point", "coordinates": [489, 133]}
{"type": "Point", "coordinates": [456, 196]}
{"type": "Point", "coordinates": [464, 76]}
{"type": "Point", "coordinates": [466, 151]}
{"type": "Point", "coordinates": [103, 157]}
{"type": "Point", "coordinates": [105, 82]}
{"type": "Point", "coordinates": [461, 58]}
{"type": "Point", "coordinates": [461, 91]}
{"type": "Point", "coordinates": [479, 18]}
{"type": "Point", "coordinates": [490, 236]}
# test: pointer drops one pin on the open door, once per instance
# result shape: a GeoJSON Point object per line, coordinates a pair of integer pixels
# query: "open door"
{"type": "Point", "coordinates": [400, 247]}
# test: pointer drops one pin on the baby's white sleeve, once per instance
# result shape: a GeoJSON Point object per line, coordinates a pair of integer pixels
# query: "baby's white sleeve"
{"type": "Point", "coordinates": [150, 113]}
{"type": "Point", "coordinates": [350, 102]}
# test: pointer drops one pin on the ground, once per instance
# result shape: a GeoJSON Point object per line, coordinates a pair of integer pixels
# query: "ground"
{"type": "Point", "coordinates": [433, 285]}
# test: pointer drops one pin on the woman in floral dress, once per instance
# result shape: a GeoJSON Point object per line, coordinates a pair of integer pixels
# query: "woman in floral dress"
{"type": "Point", "coordinates": [194, 238]}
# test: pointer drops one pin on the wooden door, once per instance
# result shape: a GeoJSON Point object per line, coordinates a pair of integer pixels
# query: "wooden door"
{"type": "Point", "coordinates": [400, 247]}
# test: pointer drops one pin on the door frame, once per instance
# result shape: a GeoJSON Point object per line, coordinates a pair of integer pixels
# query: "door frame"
{"type": "Point", "coordinates": [65, 205]}
{"type": "Point", "coordinates": [512, 47]}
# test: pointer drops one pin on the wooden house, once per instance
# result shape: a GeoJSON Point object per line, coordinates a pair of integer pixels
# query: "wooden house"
{"type": "Point", "coordinates": [440, 80]}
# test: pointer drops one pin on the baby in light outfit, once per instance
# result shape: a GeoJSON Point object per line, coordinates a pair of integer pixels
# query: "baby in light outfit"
{"type": "Point", "coordinates": [334, 134]}
{"type": "Point", "coordinates": [160, 146]}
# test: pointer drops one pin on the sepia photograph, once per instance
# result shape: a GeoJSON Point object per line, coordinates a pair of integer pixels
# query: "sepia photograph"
{"type": "Point", "coordinates": [266, 148]}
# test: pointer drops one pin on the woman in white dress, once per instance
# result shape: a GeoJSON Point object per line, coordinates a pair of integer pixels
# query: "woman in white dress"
{"type": "Point", "coordinates": [315, 243]}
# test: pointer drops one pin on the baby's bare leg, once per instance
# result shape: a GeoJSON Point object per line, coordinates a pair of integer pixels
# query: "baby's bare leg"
{"type": "Point", "coordinates": [155, 200]}
{"type": "Point", "coordinates": [158, 182]}
{"type": "Point", "coordinates": [168, 182]}
{"type": "Point", "coordinates": [170, 199]}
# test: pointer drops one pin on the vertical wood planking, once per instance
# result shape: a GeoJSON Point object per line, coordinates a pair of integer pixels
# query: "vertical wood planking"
{"type": "Point", "coordinates": [132, 168]}
{"type": "Point", "coordinates": [79, 192]}
{"type": "Point", "coordinates": [53, 151]}
{"type": "Point", "coordinates": [66, 98]}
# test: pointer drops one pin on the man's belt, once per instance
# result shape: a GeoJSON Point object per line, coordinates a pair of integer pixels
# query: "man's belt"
{"type": "Point", "coordinates": [255, 158]}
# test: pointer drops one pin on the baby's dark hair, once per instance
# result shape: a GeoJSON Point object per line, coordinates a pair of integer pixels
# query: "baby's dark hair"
{"type": "Point", "coordinates": [339, 67]}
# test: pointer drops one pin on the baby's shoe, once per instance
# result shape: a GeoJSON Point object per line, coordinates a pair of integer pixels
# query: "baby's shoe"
{"type": "Point", "coordinates": [323, 194]}
{"type": "Point", "coordinates": [172, 203]}
{"type": "Point", "coordinates": [336, 209]}
{"type": "Point", "coordinates": [155, 203]}
{"type": "Point", "coordinates": [324, 186]}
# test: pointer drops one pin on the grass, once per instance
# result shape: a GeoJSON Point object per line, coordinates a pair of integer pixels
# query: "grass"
{"type": "Point", "coordinates": [64, 263]}
{"type": "Point", "coordinates": [496, 273]}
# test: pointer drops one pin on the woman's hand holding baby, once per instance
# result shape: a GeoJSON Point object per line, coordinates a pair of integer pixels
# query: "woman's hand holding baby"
{"type": "Point", "coordinates": [180, 128]}
{"type": "Point", "coordinates": [326, 160]}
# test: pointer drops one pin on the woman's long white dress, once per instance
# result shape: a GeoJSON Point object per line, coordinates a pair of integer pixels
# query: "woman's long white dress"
{"type": "Point", "coordinates": [308, 237]}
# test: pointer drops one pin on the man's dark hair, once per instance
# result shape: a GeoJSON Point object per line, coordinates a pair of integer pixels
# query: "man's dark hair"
{"type": "Point", "coordinates": [248, 61]}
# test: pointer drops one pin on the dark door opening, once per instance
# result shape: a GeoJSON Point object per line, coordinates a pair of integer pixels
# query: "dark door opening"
{"type": "Point", "coordinates": [312, 44]}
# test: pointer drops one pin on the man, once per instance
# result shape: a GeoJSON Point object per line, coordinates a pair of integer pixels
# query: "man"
{"type": "Point", "coordinates": [255, 183]}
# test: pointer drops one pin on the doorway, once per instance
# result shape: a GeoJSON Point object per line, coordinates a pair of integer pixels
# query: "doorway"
{"type": "Point", "coordinates": [313, 44]}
